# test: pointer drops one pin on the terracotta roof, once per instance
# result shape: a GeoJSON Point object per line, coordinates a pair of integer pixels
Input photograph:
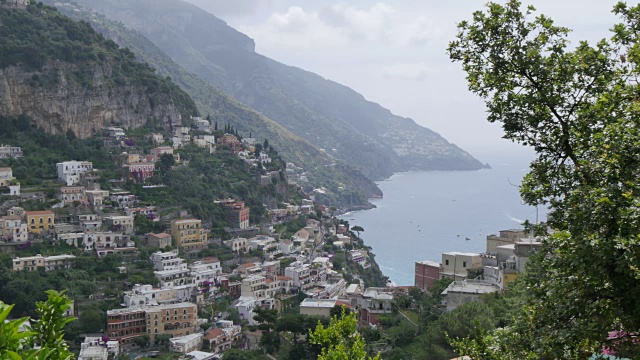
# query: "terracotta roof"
{"type": "Point", "coordinates": [286, 278]}
{"type": "Point", "coordinates": [213, 334]}
{"type": "Point", "coordinates": [45, 212]}
{"type": "Point", "coordinates": [342, 303]}
{"type": "Point", "coordinates": [210, 259]}
{"type": "Point", "coordinates": [268, 281]}
{"type": "Point", "coordinates": [161, 235]}
{"type": "Point", "coordinates": [248, 265]}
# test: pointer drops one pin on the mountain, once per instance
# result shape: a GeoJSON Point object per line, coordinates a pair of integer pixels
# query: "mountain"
{"type": "Point", "coordinates": [66, 76]}
{"type": "Point", "coordinates": [327, 114]}
{"type": "Point", "coordinates": [345, 186]}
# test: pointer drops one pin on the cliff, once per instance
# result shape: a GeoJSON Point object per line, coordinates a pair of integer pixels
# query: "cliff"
{"type": "Point", "coordinates": [66, 76]}
{"type": "Point", "coordinates": [329, 115]}
{"type": "Point", "coordinates": [70, 106]}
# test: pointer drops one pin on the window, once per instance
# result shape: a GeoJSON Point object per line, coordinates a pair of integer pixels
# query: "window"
{"type": "Point", "coordinates": [446, 262]}
{"type": "Point", "coordinates": [464, 264]}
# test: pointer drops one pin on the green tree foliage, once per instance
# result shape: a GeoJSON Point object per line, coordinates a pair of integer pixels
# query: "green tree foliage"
{"type": "Point", "coordinates": [92, 320]}
{"type": "Point", "coordinates": [266, 319]}
{"type": "Point", "coordinates": [42, 151]}
{"type": "Point", "coordinates": [210, 177]}
{"type": "Point", "coordinates": [358, 229]}
{"type": "Point", "coordinates": [40, 36]}
{"type": "Point", "coordinates": [576, 107]}
{"type": "Point", "coordinates": [44, 340]}
{"type": "Point", "coordinates": [340, 340]}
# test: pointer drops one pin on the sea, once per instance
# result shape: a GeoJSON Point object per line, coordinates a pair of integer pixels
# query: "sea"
{"type": "Point", "coordinates": [426, 213]}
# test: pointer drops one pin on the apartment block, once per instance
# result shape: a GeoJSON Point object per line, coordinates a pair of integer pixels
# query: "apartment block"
{"type": "Point", "coordinates": [139, 172]}
{"type": "Point", "coordinates": [12, 229]}
{"type": "Point", "coordinates": [455, 265]}
{"type": "Point", "coordinates": [175, 320]}
{"type": "Point", "coordinates": [237, 214]}
{"type": "Point", "coordinates": [69, 171]}
{"type": "Point", "coordinates": [426, 273]}
{"type": "Point", "coordinates": [122, 224]}
{"type": "Point", "coordinates": [10, 152]}
{"type": "Point", "coordinates": [189, 234]}
{"type": "Point", "coordinates": [49, 263]}
{"type": "Point", "coordinates": [40, 221]}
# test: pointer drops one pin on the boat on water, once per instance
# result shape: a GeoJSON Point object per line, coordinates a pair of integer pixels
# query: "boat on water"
{"type": "Point", "coordinates": [467, 238]}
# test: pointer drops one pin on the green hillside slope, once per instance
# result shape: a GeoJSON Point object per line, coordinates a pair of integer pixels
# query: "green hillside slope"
{"type": "Point", "coordinates": [327, 114]}
{"type": "Point", "coordinates": [345, 185]}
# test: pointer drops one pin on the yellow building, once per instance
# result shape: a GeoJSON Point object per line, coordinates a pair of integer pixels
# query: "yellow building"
{"type": "Point", "coordinates": [39, 221]}
{"type": "Point", "coordinates": [49, 263]}
{"type": "Point", "coordinates": [189, 234]}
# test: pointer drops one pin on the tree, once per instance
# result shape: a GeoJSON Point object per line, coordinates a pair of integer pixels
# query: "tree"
{"type": "Point", "coordinates": [42, 341]}
{"type": "Point", "coordinates": [92, 320]}
{"type": "Point", "coordinates": [577, 109]}
{"type": "Point", "coordinates": [340, 340]}
{"type": "Point", "coordinates": [266, 319]}
{"type": "Point", "coordinates": [357, 229]}
{"type": "Point", "coordinates": [166, 162]}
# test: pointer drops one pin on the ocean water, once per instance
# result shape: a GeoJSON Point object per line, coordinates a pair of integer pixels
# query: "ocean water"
{"type": "Point", "coordinates": [424, 214]}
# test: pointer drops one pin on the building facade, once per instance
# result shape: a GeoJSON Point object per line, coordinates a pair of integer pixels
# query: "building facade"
{"type": "Point", "coordinates": [189, 234]}
{"type": "Point", "coordinates": [69, 171]}
{"type": "Point", "coordinates": [426, 273]}
{"type": "Point", "coordinates": [40, 221]}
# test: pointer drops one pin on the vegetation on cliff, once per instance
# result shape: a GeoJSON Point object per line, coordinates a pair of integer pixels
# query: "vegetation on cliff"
{"type": "Point", "coordinates": [58, 52]}
{"type": "Point", "coordinates": [329, 115]}
{"type": "Point", "coordinates": [346, 185]}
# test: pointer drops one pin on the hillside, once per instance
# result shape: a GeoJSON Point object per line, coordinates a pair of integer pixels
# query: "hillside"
{"type": "Point", "coordinates": [66, 76]}
{"type": "Point", "coordinates": [346, 185]}
{"type": "Point", "coordinates": [327, 114]}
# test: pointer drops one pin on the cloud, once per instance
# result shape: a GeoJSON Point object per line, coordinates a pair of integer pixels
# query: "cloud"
{"type": "Point", "coordinates": [342, 25]}
{"type": "Point", "coordinates": [409, 71]}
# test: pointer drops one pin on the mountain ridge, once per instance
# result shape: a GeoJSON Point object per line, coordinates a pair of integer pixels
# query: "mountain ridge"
{"type": "Point", "coordinates": [343, 182]}
{"type": "Point", "coordinates": [363, 133]}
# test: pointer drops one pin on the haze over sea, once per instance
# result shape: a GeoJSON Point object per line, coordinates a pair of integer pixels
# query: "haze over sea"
{"type": "Point", "coordinates": [424, 214]}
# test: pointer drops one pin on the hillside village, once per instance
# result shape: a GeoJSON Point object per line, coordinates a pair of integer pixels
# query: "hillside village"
{"type": "Point", "coordinates": [172, 270]}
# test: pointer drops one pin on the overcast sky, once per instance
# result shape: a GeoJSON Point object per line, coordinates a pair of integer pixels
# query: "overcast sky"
{"type": "Point", "coordinates": [393, 52]}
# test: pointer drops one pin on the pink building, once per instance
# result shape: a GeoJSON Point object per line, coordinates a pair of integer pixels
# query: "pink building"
{"type": "Point", "coordinates": [427, 272]}
{"type": "Point", "coordinates": [140, 172]}
{"type": "Point", "coordinates": [71, 194]}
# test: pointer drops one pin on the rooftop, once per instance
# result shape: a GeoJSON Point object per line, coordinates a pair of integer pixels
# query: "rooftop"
{"type": "Point", "coordinates": [455, 253]}
{"type": "Point", "coordinates": [429, 263]}
{"type": "Point", "coordinates": [161, 235]}
{"type": "Point", "coordinates": [183, 340]}
{"type": "Point", "coordinates": [36, 213]}
{"type": "Point", "coordinates": [318, 303]}
{"type": "Point", "coordinates": [470, 287]}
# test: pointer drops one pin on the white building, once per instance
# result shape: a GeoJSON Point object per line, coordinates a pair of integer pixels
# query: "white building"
{"type": "Point", "coordinates": [455, 265]}
{"type": "Point", "coordinates": [264, 158]}
{"type": "Point", "coordinates": [7, 180]}
{"type": "Point", "coordinates": [245, 306]}
{"type": "Point", "coordinates": [186, 344]}
{"type": "Point", "coordinates": [300, 275]}
{"type": "Point", "coordinates": [202, 124]}
{"type": "Point", "coordinates": [106, 240]}
{"type": "Point", "coordinates": [10, 152]}
{"type": "Point", "coordinates": [465, 291]}
{"type": "Point", "coordinates": [94, 348]}
{"type": "Point", "coordinates": [12, 229]}
{"type": "Point", "coordinates": [69, 171]}
{"type": "Point", "coordinates": [114, 133]}
{"type": "Point", "coordinates": [238, 244]}
{"type": "Point", "coordinates": [119, 223]}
